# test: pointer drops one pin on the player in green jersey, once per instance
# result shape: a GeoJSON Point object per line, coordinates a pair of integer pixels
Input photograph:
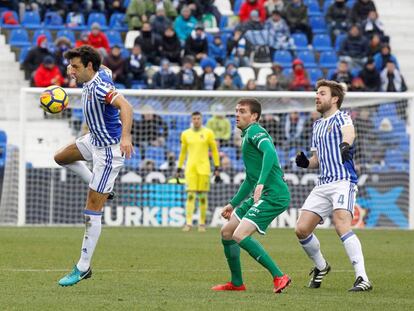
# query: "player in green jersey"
{"type": "Point", "coordinates": [271, 197]}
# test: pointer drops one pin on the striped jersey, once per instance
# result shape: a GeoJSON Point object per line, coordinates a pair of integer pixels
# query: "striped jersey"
{"type": "Point", "coordinates": [101, 117]}
{"type": "Point", "coordinates": [326, 137]}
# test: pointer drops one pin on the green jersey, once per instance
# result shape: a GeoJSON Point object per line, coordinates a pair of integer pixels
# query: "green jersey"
{"type": "Point", "coordinates": [262, 166]}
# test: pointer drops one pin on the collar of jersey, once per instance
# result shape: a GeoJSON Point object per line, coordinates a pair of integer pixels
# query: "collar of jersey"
{"type": "Point", "coordinates": [330, 117]}
{"type": "Point", "coordinates": [244, 131]}
{"type": "Point", "coordinates": [91, 80]}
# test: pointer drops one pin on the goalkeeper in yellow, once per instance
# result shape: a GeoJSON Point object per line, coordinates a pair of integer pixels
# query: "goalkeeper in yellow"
{"type": "Point", "coordinates": [195, 144]}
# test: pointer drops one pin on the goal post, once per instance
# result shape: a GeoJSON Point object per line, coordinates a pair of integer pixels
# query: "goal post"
{"type": "Point", "coordinates": [147, 195]}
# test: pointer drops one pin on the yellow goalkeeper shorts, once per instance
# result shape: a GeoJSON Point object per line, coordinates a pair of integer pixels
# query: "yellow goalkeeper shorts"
{"type": "Point", "coordinates": [197, 182]}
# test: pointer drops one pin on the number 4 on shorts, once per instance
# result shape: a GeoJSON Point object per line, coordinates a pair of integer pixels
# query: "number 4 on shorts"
{"type": "Point", "coordinates": [341, 199]}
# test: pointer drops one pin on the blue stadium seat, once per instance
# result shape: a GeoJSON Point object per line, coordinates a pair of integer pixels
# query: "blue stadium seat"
{"type": "Point", "coordinates": [231, 152]}
{"type": "Point", "coordinates": [155, 104]}
{"type": "Point", "coordinates": [120, 86]}
{"type": "Point", "coordinates": [31, 20]}
{"type": "Point", "coordinates": [301, 41]}
{"type": "Point", "coordinates": [282, 157]}
{"type": "Point", "coordinates": [350, 3]}
{"type": "Point", "coordinates": [157, 154]}
{"type": "Point", "coordinates": [125, 3]}
{"type": "Point", "coordinates": [53, 21]}
{"type": "Point", "coordinates": [177, 106]}
{"type": "Point", "coordinates": [236, 7]}
{"type": "Point", "coordinates": [174, 137]}
{"type": "Point", "coordinates": [125, 53]}
{"type": "Point", "coordinates": [318, 24]}
{"type": "Point", "coordinates": [8, 26]}
{"type": "Point", "coordinates": [322, 42]}
{"type": "Point", "coordinates": [3, 137]}
{"type": "Point", "coordinates": [224, 20]}
{"type": "Point", "coordinates": [199, 105]}
{"type": "Point", "coordinates": [19, 38]}
{"type": "Point", "coordinates": [40, 32]}
{"type": "Point", "coordinates": [114, 38]}
{"type": "Point", "coordinates": [287, 71]}
{"type": "Point", "coordinates": [135, 160]}
{"type": "Point", "coordinates": [80, 27]}
{"type": "Point", "coordinates": [117, 22]}
{"type": "Point", "coordinates": [68, 34]}
{"type": "Point", "coordinates": [23, 53]}
{"type": "Point", "coordinates": [338, 41]}
{"type": "Point", "coordinates": [314, 8]}
{"type": "Point", "coordinates": [326, 6]}
{"type": "Point", "coordinates": [77, 114]}
{"type": "Point", "coordinates": [328, 59]}
{"type": "Point", "coordinates": [99, 18]}
{"type": "Point", "coordinates": [395, 160]}
{"type": "Point", "coordinates": [314, 75]}
{"type": "Point", "coordinates": [308, 58]}
{"type": "Point", "coordinates": [284, 58]}
{"type": "Point", "coordinates": [330, 73]}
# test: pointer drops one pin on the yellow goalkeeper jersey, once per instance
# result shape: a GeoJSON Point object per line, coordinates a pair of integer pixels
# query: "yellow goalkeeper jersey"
{"type": "Point", "coordinates": [195, 146]}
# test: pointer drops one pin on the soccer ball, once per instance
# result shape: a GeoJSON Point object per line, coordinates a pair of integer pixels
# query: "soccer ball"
{"type": "Point", "coordinates": [54, 99]}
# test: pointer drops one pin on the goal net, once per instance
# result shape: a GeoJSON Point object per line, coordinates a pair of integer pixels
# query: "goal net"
{"type": "Point", "coordinates": [36, 191]}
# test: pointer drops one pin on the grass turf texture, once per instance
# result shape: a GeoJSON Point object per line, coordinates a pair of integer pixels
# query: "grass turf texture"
{"type": "Point", "coordinates": [166, 269]}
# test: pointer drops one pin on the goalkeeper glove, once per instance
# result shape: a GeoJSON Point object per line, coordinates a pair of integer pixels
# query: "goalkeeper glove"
{"type": "Point", "coordinates": [217, 178]}
{"type": "Point", "coordinates": [302, 160]}
{"type": "Point", "coordinates": [345, 149]}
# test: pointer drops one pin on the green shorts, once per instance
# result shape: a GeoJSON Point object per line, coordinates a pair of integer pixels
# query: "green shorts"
{"type": "Point", "coordinates": [262, 213]}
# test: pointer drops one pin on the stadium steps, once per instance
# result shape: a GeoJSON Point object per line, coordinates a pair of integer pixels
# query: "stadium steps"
{"type": "Point", "coordinates": [10, 83]}
{"type": "Point", "coordinates": [397, 17]}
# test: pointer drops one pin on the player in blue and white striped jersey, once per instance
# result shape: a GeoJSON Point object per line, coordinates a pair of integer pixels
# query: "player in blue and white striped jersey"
{"type": "Point", "coordinates": [109, 119]}
{"type": "Point", "coordinates": [335, 192]}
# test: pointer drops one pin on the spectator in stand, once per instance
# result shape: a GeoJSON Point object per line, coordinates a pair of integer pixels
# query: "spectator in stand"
{"type": "Point", "coordinates": [209, 79]}
{"type": "Point", "coordinates": [231, 69]}
{"type": "Point", "coordinates": [150, 44]}
{"type": "Point", "coordinates": [83, 39]}
{"type": "Point", "coordinates": [293, 128]}
{"type": "Point", "coordinates": [153, 5]}
{"type": "Point", "coordinates": [135, 67]}
{"type": "Point", "coordinates": [252, 5]}
{"type": "Point", "coordinates": [272, 84]}
{"type": "Point", "coordinates": [374, 45]}
{"type": "Point", "coordinates": [8, 18]}
{"type": "Point", "coordinates": [299, 80]}
{"type": "Point", "coordinates": [342, 74]}
{"type": "Point", "coordinates": [36, 55]}
{"type": "Point", "coordinates": [200, 8]}
{"type": "Point", "coordinates": [160, 22]}
{"type": "Point", "coordinates": [27, 5]}
{"type": "Point", "coordinates": [253, 23]}
{"type": "Point", "coordinates": [187, 77]}
{"type": "Point", "coordinates": [308, 127]}
{"type": "Point", "coordinates": [297, 18]}
{"type": "Point", "coordinates": [357, 85]}
{"type": "Point", "coordinates": [250, 85]}
{"type": "Point", "coordinates": [170, 165]}
{"type": "Point", "coordinates": [273, 126]}
{"type": "Point", "coordinates": [196, 44]}
{"type": "Point", "coordinates": [116, 63]}
{"type": "Point", "coordinates": [370, 77]}
{"type": "Point", "coordinates": [62, 45]}
{"type": "Point", "coordinates": [165, 78]}
{"type": "Point", "coordinates": [184, 24]}
{"type": "Point", "coordinates": [280, 30]}
{"type": "Point", "coordinates": [227, 83]}
{"type": "Point", "coordinates": [151, 130]}
{"type": "Point", "coordinates": [277, 70]}
{"type": "Point", "coordinates": [361, 9]}
{"type": "Point", "coordinates": [95, 5]}
{"type": "Point", "coordinates": [372, 25]}
{"type": "Point", "coordinates": [98, 39]}
{"type": "Point", "coordinates": [220, 125]}
{"type": "Point", "coordinates": [47, 73]}
{"type": "Point", "coordinates": [139, 11]}
{"type": "Point", "coordinates": [75, 18]}
{"type": "Point", "coordinates": [171, 46]}
{"type": "Point", "coordinates": [354, 49]}
{"type": "Point", "coordinates": [114, 6]}
{"type": "Point", "coordinates": [338, 18]}
{"type": "Point", "coordinates": [217, 50]}
{"type": "Point", "coordinates": [391, 79]}
{"type": "Point", "coordinates": [383, 57]}
{"type": "Point", "coordinates": [238, 49]}
{"type": "Point", "coordinates": [274, 5]}
{"type": "Point", "coordinates": [367, 142]}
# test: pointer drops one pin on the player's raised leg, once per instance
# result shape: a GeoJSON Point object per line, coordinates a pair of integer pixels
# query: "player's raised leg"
{"type": "Point", "coordinates": [305, 226]}
{"type": "Point", "coordinates": [243, 236]}
{"type": "Point", "coordinates": [93, 226]}
{"type": "Point", "coordinates": [71, 158]}
{"type": "Point", "coordinates": [342, 220]}
{"type": "Point", "coordinates": [232, 253]}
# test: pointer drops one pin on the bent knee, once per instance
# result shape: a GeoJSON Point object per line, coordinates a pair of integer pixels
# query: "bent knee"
{"type": "Point", "coordinates": [226, 233]}
{"type": "Point", "coordinates": [59, 159]}
{"type": "Point", "coordinates": [302, 232]}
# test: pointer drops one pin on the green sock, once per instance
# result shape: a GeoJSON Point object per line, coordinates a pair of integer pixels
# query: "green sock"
{"type": "Point", "coordinates": [232, 252]}
{"type": "Point", "coordinates": [256, 250]}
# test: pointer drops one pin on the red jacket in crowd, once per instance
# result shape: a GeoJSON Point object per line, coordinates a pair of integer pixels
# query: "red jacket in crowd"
{"type": "Point", "coordinates": [44, 76]}
{"type": "Point", "coordinates": [99, 41]}
{"type": "Point", "coordinates": [247, 7]}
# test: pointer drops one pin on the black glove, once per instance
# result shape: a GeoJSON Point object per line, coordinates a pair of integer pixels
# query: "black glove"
{"type": "Point", "coordinates": [302, 160]}
{"type": "Point", "coordinates": [217, 178]}
{"type": "Point", "coordinates": [345, 151]}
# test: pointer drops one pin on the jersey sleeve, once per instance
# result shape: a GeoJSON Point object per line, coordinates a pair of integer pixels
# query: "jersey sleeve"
{"type": "Point", "coordinates": [344, 119]}
{"type": "Point", "coordinates": [183, 151]}
{"type": "Point", "coordinates": [106, 92]}
{"type": "Point", "coordinates": [258, 137]}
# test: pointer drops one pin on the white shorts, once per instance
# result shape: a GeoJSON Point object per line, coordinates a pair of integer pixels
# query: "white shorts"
{"type": "Point", "coordinates": [106, 161]}
{"type": "Point", "coordinates": [328, 197]}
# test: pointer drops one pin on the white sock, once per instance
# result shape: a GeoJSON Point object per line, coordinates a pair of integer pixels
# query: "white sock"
{"type": "Point", "coordinates": [80, 168]}
{"type": "Point", "coordinates": [312, 247]}
{"type": "Point", "coordinates": [90, 239]}
{"type": "Point", "coordinates": [354, 250]}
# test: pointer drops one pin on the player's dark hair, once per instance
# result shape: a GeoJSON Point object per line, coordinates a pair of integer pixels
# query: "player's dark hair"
{"type": "Point", "coordinates": [87, 54]}
{"type": "Point", "coordinates": [337, 90]}
{"type": "Point", "coordinates": [254, 105]}
{"type": "Point", "coordinates": [196, 113]}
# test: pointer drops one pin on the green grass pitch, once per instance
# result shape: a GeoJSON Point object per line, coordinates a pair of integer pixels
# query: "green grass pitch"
{"type": "Point", "coordinates": [166, 269]}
